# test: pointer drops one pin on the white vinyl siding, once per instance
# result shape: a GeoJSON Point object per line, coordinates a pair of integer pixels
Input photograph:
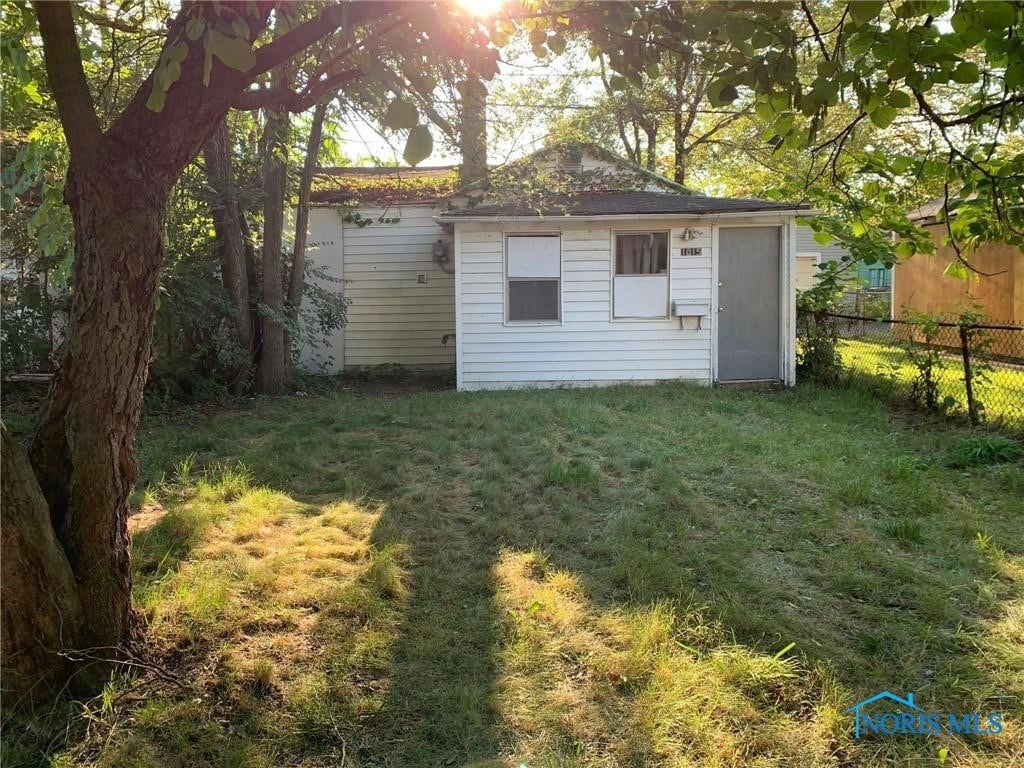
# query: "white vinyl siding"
{"type": "Point", "coordinates": [392, 317]}
{"type": "Point", "coordinates": [806, 270]}
{"type": "Point", "coordinates": [805, 243]}
{"type": "Point", "coordinates": [588, 347]}
{"type": "Point", "coordinates": [324, 238]}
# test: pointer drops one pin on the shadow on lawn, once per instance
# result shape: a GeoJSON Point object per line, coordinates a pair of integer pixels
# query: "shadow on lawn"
{"type": "Point", "coordinates": [612, 530]}
{"type": "Point", "coordinates": [643, 528]}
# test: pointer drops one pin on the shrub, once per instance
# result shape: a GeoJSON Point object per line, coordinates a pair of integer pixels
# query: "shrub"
{"type": "Point", "coordinates": [817, 339]}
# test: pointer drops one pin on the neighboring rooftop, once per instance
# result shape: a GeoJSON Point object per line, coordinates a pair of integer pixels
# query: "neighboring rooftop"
{"type": "Point", "coordinates": [384, 185]}
{"type": "Point", "coordinates": [928, 213]}
{"type": "Point", "coordinates": [624, 203]}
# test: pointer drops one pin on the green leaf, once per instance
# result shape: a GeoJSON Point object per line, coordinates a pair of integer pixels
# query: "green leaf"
{"type": "Point", "coordinates": [233, 51]}
{"type": "Point", "coordinates": [883, 115]}
{"type": "Point", "coordinates": [618, 83]}
{"type": "Point", "coordinates": [824, 238]}
{"type": "Point", "coordinates": [899, 99]}
{"type": "Point", "coordinates": [401, 115]}
{"type": "Point", "coordinates": [419, 145]}
{"type": "Point", "coordinates": [784, 123]}
{"type": "Point", "coordinates": [900, 164]}
{"type": "Point", "coordinates": [31, 91]}
{"type": "Point", "coordinates": [538, 36]}
{"type": "Point", "coordinates": [966, 73]}
{"type": "Point", "coordinates": [1015, 75]}
{"type": "Point", "coordinates": [721, 92]}
{"type": "Point", "coordinates": [240, 27]}
{"type": "Point", "coordinates": [728, 95]}
{"type": "Point", "coordinates": [557, 44]}
{"type": "Point", "coordinates": [739, 28]}
{"type": "Point", "coordinates": [157, 97]}
{"type": "Point", "coordinates": [957, 270]}
{"type": "Point", "coordinates": [997, 15]}
{"type": "Point", "coordinates": [905, 249]}
{"type": "Point", "coordinates": [860, 43]}
{"type": "Point", "coordinates": [864, 11]}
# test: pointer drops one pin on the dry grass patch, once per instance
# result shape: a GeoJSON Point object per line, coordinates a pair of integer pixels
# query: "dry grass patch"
{"type": "Point", "coordinates": [273, 612]}
{"type": "Point", "coordinates": [582, 684]}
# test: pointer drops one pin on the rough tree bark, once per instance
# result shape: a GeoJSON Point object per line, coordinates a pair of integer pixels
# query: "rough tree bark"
{"type": "Point", "coordinates": [230, 242]}
{"type": "Point", "coordinates": [41, 611]}
{"type": "Point", "coordinates": [296, 278]}
{"type": "Point", "coordinates": [82, 464]}
{"type": "Point", "coordinates": [271, 377]}
{"type": "Point", "coordinates": [678, 137]}
{"type": "Point", "coordinates": [82, 452]}
{"type": "Point", "coordinates": [82, 461]}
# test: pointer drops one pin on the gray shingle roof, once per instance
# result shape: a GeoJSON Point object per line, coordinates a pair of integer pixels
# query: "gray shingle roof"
{"type": "Point", "coordinates": [623, 203]}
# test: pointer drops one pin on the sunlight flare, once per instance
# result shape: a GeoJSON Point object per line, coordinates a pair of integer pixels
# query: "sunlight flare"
{"type": "Point", "coordinates": [481, 7]}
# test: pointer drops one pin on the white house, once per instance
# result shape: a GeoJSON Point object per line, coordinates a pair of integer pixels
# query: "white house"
{"type": "Point", "coordinates": [625, 277]}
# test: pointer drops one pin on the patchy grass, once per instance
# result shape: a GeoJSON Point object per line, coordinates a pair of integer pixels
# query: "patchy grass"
{"type": "Point", "coordinates": [663, 576]}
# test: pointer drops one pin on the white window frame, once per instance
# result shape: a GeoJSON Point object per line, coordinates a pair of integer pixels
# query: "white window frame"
{"type": "Point", "coordinates": [667, 276]}
{"type": "Point", "coordinates": [506, 279]}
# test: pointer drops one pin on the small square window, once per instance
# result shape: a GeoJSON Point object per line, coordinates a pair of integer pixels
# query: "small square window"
{"type": "Point", "coordinates": [641, 253]}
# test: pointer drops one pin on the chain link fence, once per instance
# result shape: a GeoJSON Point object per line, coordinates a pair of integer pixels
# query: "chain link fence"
{"type": "Point", "coordinates": [969, 370]}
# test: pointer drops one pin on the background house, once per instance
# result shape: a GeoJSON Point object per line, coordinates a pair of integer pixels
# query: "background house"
{"type": "Point", "coordinates": [603, 272]}
{"type": "Point", "coordinates": [920, 283]}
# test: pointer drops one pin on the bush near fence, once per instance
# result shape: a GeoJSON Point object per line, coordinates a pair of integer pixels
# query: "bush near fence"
{"type": "Point", "coordinates": [973, 370]}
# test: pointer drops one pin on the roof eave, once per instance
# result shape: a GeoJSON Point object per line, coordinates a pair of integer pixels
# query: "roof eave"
{"type": "Point", "coordinates": [518, 219]}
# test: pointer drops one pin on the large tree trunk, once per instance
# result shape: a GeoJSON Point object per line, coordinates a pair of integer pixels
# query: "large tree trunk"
{"type": "Point", "coordinates": [42, 614]}
{"type": "Point", "coordinates": [272, 374]}
{"type": "Point", "coordinates": [82, 452]}
{"type": "Point", "coordinates": [230, 242]}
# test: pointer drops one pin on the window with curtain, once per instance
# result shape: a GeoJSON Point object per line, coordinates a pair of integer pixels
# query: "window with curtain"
{"type": "Point", "coordinates": [533, 271]}
{"type": "Point", "coordinates": [641, 253]}
{"type": "Point", "coordinates": [641, 275]}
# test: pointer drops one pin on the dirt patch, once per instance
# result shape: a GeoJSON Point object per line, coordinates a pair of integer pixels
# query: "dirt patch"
{"type": "Point", "coordinates": [147, 516]}
{"type": "Point", "coordinates": [393, 380]}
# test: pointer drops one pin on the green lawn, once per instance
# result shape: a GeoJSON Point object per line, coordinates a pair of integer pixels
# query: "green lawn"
{"type": "Point", "coordinates": [1000, 388]}
{"type": "Point", "coordinates": [662, 576]}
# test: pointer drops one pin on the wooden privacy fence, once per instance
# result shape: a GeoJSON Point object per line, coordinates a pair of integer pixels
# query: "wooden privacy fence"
{"type": "Point", "coordinates": [968, 368]}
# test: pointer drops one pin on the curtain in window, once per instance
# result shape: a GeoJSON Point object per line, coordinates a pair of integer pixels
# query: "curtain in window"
{"type": "Point", "coordinates": [640, 254]}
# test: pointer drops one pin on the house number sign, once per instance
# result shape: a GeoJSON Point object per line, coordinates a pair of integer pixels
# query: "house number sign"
{"type": "Point", "coordinates": [691, 251]}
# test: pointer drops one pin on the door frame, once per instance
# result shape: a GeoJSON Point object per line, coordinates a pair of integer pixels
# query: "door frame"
{"type": "Point", "coordinates": [787, 293]}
